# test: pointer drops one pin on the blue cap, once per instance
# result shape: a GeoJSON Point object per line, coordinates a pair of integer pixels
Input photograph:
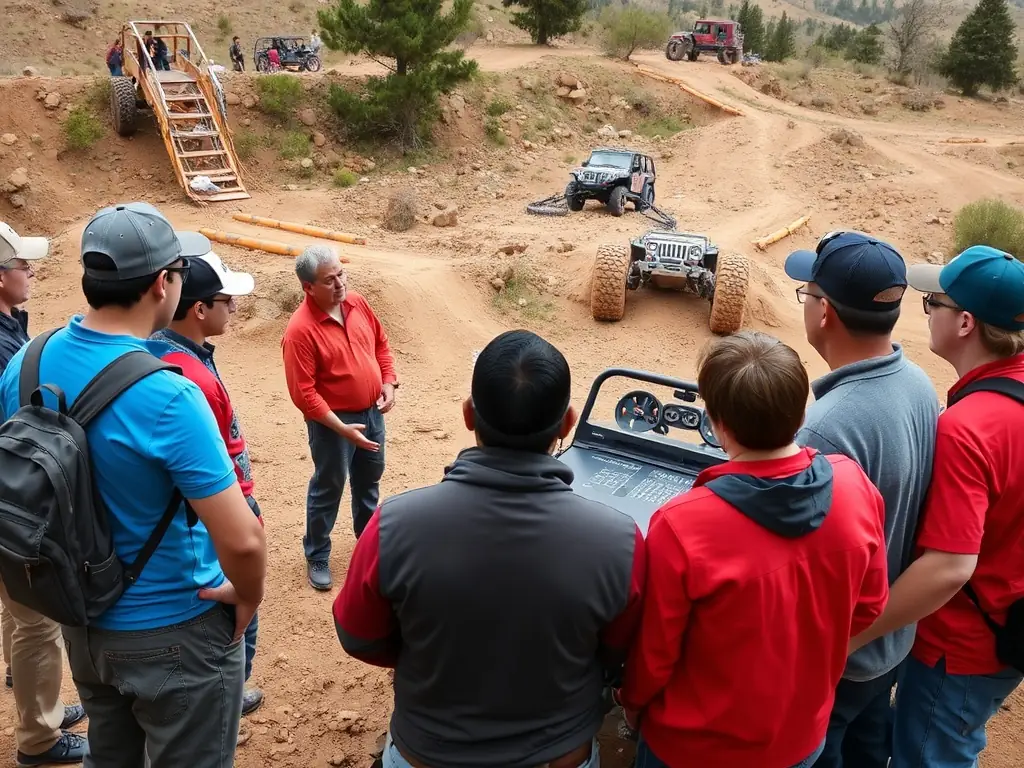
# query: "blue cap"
{"type": "Point", "coordinates": [854, 270]}
{"type": "Point", "coordinates": [984, 281]}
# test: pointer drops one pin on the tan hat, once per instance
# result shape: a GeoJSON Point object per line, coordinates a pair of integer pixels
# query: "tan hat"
{"type": "Point", "coordinates": [14, 246]}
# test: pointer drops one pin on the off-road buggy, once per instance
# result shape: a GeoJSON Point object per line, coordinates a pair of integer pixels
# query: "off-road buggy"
{"type": "Point", "coordinates": [670, 259]}
{"type": "Point", "coordinates": [722, 37]}
{"type": "Point", "coordinates": [613, 176]}
{"type": "Point", "coordinates": [295, 54]}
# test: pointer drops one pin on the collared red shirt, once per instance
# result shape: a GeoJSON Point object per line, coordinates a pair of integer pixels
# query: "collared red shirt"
{"type": "Point", "coordinates": [975, 506]}
{"type": "Point", "coordinates": [332, 366]}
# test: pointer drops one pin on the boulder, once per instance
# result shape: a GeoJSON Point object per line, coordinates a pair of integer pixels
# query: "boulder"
{"type": "Point", "coordinates": [52, 100]}
{"type": "Point", "coordinates": [307, 117]}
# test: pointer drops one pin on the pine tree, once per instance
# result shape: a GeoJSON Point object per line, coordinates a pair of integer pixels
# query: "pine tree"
{"type": "Point", "coordinates": [982, 51]}
{"type": "Point", "coordinates": [547, 19]}
{"type": "Point", "coordinates": [866, 47]}
{"type": "Point", "coordinates": [751, 21]}
{"type": "Point", "coordinates": [782, 43]}
{"type": "Point", "coordinates": [409, 37]}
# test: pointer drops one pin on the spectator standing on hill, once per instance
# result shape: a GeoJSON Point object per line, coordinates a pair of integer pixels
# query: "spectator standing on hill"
{"type": "Point", "coordinates": [970, 569]}
{"type": "Point", "coordinates": [341, 376]}
{"type": "Point", "coordinates": [755, 578]}
{"type": "Point", "coordinates": [32, 645]}
{"type": "Point", "coordinates": [236, 55]}
{"type": "Point", "coordinates": [879, 409]}
{"type": "Point", "coordinates": [502, 599]}
{"type": "Point", "coordinates": [160, 671]}
{"type": "Point", "coordinates": [204, 310]}
{"type": "Point", "coordinates": [115, 59]}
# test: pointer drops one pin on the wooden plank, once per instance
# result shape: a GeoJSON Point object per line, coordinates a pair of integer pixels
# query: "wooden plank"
{"type": "Point", "coordinates": [204, 153]}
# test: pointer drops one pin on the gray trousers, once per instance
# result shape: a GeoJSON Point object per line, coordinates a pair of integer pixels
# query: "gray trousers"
{"type": "Point", "coordinates": [165, 698]}
{"type": "Point", "coordinates": [335, 461]}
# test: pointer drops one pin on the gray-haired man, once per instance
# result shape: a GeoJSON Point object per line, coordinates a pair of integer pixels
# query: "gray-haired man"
{"type": "Point", "coordinates": [341, 376]}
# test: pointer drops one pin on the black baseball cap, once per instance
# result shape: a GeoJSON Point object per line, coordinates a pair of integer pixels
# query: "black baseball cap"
{"type": "Point", "coordinates": [139, 240]}
{"type": "Point", "coordinates": [208, 276]}
{"type": "Point", "coordinates": [854, 269]}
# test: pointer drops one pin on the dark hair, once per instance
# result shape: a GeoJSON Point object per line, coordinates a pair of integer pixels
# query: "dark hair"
{"type": "Point", "coordinates": [862, 322]}
{"type": "Point", "coordinates": [756, 387]}
{"type": "Point", "coordinates": [113, 293]}
{"type": "Point", "coordinates": [185, 305]}
{"type": "Point", "coordinates": [521, 390]}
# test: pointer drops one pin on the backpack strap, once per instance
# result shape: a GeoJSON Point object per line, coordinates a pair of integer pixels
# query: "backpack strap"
{"type": "Point", "coordinates": [116, 377]}
{"type": "Point", "coordinates": [28, 380]}
{"type": "Point", "coordinates": [969, 591]}
{"type": "Point", "coordinates": [132, 572]}
{"type": "Point", "coordinates": [1004, 386]}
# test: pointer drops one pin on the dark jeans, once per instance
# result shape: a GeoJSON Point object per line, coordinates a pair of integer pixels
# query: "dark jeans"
{"type": "Point", "coordinates": [254, 625]}
{"type": "Point", "coordinates": [173, 694]}
{"type": "Point", "coordinates": [335, 461]}
{"type": "Point", "coordinates": [860, 727]}
{"type": "Point", "coordinates": [941, 718]}
{"type": "Point", "coordinates": [645, 758]}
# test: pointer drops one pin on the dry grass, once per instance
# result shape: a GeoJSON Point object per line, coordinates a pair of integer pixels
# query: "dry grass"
{"type": "Point", "coordinates": [400, 214]}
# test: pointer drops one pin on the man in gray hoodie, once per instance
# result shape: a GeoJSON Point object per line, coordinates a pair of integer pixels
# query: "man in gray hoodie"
{"type": "Point", "coordinates": [881, 410]}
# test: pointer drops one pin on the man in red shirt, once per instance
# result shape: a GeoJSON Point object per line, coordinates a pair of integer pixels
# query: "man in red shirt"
{"type": "Point", "coordinates": [341, 376]}
{"type": "Point", "coordinates": [204, 310]}
{"type": "Point", "coordinates": [971, 537]}
{"type": "Point", "coordinates": [756, 579]}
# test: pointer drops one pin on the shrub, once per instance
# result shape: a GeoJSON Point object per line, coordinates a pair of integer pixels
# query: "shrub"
{"type": "Point", "coordinates": [989, 222]}
{"type": "Point", "coordinates": [279, 94]}
{"type": "Point", "coordinates": [247, 142]}
{"type": "Point", "coordinates": [493, 130]}
{"type": "Point", "coordinates": [294, 144]}
{"type": "Point", "coordinates": [400, 214]}
{"type": "Point", "coordinates": [81, 128]}
{"type": "Point", "coordinates": [343, 177]}
{"type": "Point", "coordinates": [627, 28]}
{"type": "Point", "coordinates": [223, 25]}
{"type": "Point", "coordinates": [498, 106]}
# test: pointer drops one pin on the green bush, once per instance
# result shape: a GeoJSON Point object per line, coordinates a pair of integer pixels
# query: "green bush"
{"type": "Point", "coordinates": [498, 106]}
{"type": "Point", "coordinates": [280, 95]}
{"type": "Point", "coordinates": [493, 130]}
{"type": "Point", "coordinates": [989, 222]}
{"type": "Point", "coordinates": [294, 144]}
{"type": "Point", "coordinates": [343, 177]}
{"type": "Point", "coordinates": [627, 28]}
{"type": "Point", "coordinates": [81, 128]}
{"type": "Point", "coordinates": [247, 142]}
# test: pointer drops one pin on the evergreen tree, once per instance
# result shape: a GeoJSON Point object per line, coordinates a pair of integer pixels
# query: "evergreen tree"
{"type": "Point", "coordinates": [782, 43]}
{"type": "Point", "coordinates": [751, 21]}
{"type": "Point", "coordinates": [547, 19]}
{"type": "Point", "coordinates": [982, 51]}
{"type": "Point", "coordinates": [413, 34]}
{"type": "Point", "coordinates": [866, 47]}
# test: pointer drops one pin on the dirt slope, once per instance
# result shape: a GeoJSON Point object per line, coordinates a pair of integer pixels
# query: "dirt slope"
{"type": "Point", "coordinates": [736, 178]}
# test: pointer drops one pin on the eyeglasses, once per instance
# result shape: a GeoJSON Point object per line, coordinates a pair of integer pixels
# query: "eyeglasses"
{"type": "Point", "coordinates": [186, 265]}
{"type": "Point", "coordinates": [802, 292]}
{"type": "Point", "coordinates": [26, 268]}
{"type": "Point", "coordinates": [929, 302]}
{"type": "Point", "coordinates": [229, 300]}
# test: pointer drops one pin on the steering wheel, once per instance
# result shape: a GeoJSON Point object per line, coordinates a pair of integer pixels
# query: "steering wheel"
{"type": "Point", "coordinates": [639, 411]}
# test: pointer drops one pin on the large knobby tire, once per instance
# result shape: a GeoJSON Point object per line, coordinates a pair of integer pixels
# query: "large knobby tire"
{"type": "Point", "coordinates": [312, 64]}
{"type": "Point", "coordinates": [692, 52]}
{"type": "Point", "coordinates": [608, 288]}
{"type": "Point", "coordinates": [732, 278]}
{"type": "Point", "coordinates": [733, 56]}
{"type": "Point", "coordinates": [574, 201]}
{"type": "Point", "coordinates": [617, 201]}
{"type": "Point", "coordinates": [123, 111]}
{"type": "Point", "coordinates": [674, 50]}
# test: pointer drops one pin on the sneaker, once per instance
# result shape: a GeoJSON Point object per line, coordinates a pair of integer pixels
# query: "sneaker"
{"type": "Point", "coordinates": [251, 700]}
{"type": "Point", "coordinates": [72, 714]}
{"type": "Point", "coordinates": [319, 574]}
{"type": "Point", "coordinates": [10, 680]}
{"type": "Point", "coordinates": [70, 748]}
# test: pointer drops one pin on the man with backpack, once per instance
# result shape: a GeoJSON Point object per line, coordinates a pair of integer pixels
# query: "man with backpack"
{"type": "Point", "coordinates": [154, 595]}
{"type": "Point", "coordinates": [31, 642]}
{"type": "Point", "coordinates": [966, 588]}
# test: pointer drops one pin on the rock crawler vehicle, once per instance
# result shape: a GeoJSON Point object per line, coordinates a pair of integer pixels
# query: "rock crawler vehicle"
{"type": "Point", "coordinates": [295, 54]}
{"type": "Point", "coordinates": [684, 261]}
{"type": "Point", "coordinates": [614, 177]}
{"type": "Point", "coordinates": [723, 37]}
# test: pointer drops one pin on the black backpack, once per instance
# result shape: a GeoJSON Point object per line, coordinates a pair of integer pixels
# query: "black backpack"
{"type": "Point", "coordinates": [1009, 636]}
{"type": "Point", "coordinates": [56, 550]}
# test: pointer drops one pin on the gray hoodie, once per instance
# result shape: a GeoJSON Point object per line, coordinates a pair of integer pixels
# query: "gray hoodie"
{"type": "Point", "coordinates": [882, 413]}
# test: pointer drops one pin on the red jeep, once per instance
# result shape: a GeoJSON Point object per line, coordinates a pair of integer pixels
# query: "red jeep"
{"type": "Point", "coordinates": [721, 36]}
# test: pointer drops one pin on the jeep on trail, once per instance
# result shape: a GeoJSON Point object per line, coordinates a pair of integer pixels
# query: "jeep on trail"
{"type": "Point", "coordinates": [723, 37]}
{"type": "Point", "coordinates": [613, 176]}
{"type": "Point", "coordinates": [668, 259]}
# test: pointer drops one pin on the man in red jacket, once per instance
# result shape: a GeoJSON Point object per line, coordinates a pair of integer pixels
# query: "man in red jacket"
{"type": "Point", "coordinates": [756, 579]}
{"type": "Point", "coordinates": [204, 310]}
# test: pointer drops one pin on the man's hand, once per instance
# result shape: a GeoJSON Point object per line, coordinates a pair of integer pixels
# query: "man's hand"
{"type": "Point", "coordinates": [386, 401]}
{"type": "Point", "coordinates": [226, 594]}
{"type": "Point", "coordinates": [354, 434]}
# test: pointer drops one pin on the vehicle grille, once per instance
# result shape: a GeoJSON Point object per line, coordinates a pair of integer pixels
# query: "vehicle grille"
{"type": "Point", "coordinates": [590, 176]}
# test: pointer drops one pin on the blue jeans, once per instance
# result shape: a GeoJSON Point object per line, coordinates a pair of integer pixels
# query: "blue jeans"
{"type": "Point", "coordinates": [941, 718]}
{"type": "Point", "coordinates": [254, 625]}
{"type": "Point", "coordinates": [392, 758]}
{"type": "Point", "coordinates": [860, 726]}
{"type": "Point", "coordinates": [645, 758]}
{"type": "Point", "coordinates": [335, 461]}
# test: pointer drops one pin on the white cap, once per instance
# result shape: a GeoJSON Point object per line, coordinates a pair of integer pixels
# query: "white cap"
{"type": "Point", "coordinates": [231, 283]}
{"type": "Point", "coordinates": [14, 246]}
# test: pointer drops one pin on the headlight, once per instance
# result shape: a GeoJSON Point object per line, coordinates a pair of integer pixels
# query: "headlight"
{"type": "Point", "coordinates": [652, 246]}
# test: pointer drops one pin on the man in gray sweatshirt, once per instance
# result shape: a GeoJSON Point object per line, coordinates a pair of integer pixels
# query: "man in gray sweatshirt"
{"type": "Point", "coordinates": [881, 410]}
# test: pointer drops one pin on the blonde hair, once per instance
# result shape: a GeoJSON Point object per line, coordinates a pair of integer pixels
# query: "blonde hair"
{"type": "Point", "coordinates": [999, 341]}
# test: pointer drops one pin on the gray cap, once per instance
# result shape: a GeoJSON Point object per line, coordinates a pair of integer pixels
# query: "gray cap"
{"type": "Point", "coordinates": [139, 240]}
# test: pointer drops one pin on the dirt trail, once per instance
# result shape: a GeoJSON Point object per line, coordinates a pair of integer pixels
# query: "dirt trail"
{"type": "Point", "coordinates": [736, 179]}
